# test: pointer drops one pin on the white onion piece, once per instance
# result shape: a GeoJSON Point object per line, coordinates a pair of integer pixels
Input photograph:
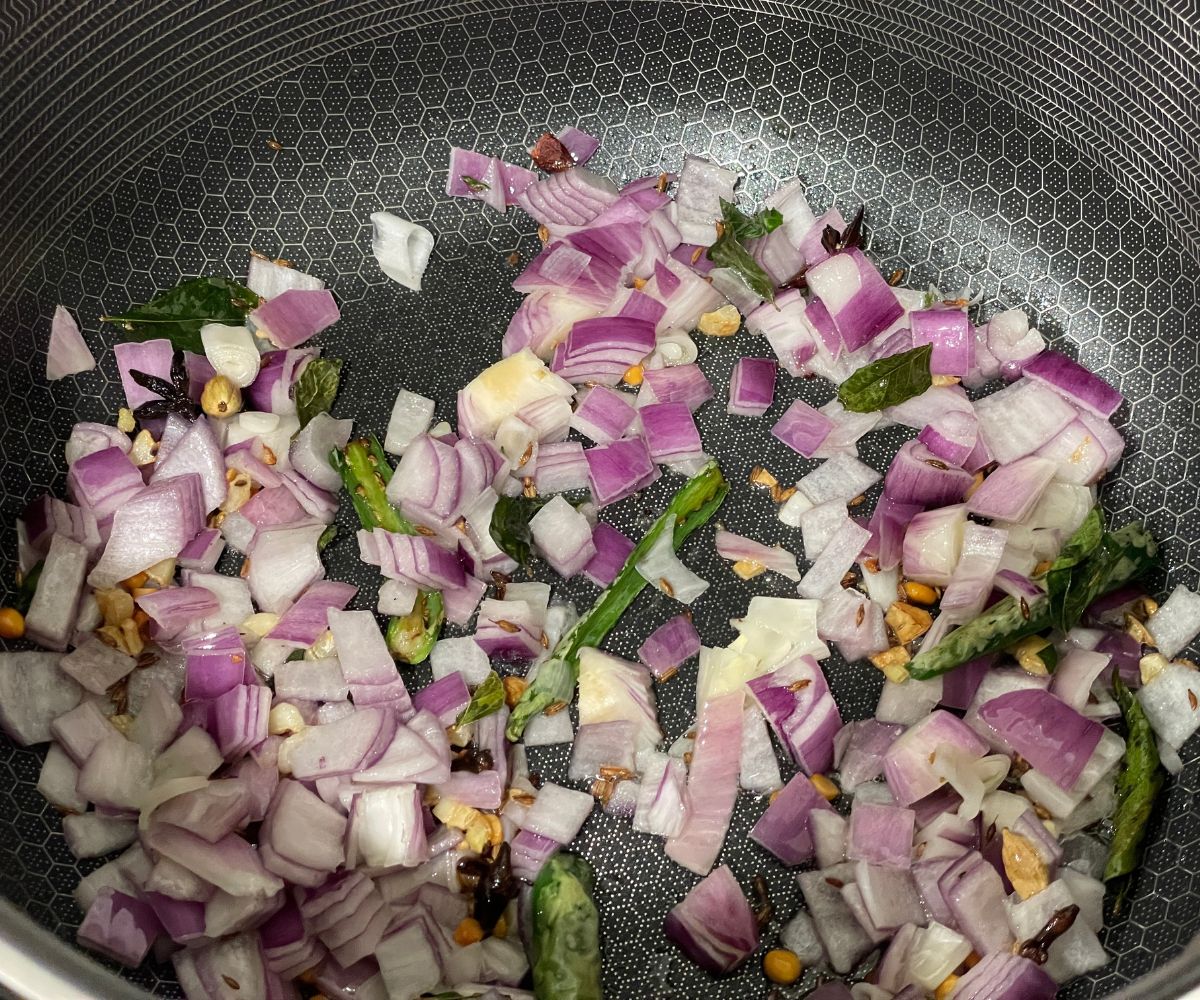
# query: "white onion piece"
{"type": "Point", "coordinates": [164, 792]}
{"type": "Point", "coordinates": [673, 347]}
{"type": "Point", "coordinates": [662, 568]}
{"type": "Point", "coordinates": [411, 416]}
{"type": "Point", "coordinates": [266, 278]}
{"type": "Point", "coordinates": [67, 353]}
{"type": "Point", "coordinates": [401, 247]}
{"type": "Point", "coordinates": [231, 351]}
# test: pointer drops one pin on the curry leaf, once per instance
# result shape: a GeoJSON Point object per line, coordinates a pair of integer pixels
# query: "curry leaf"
{"type": "Point", "coordinates": [317, 387]}
{"type": "Point", "coordinates": [178, 314]}
{"type": "Point", "coordinates": [486, 700]}
{"type": "Point", "coordinates": [28, 587]}
{"type": "Point", "coordinates": [888, 381]}
{"type": "Point", "coordinates": [510, 524]}
{"type": "Point", "coordinates": [729, 252]}
{"type": "Point", "coordinates": [749, 227]}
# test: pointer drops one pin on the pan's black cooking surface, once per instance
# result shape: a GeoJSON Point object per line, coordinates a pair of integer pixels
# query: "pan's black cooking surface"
{"type": "Point", "coordinates": [960, 188]}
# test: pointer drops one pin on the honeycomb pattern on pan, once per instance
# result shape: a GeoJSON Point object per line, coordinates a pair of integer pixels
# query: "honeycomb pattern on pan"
{"type": "Point", "coordinates": [961, 190]}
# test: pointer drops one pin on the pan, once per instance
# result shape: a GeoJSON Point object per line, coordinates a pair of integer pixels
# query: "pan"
{"type": "Point", "coordinates": [1043, 155]}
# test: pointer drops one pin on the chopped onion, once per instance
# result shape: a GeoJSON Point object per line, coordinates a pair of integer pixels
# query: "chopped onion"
{"type": "Point", "coordinates": [153, 357]}
{"type": "Point", "coordinates": [402, 248]}
{"type": "Point", "coordinates": [612, 549]}
{"type": "Point", "coordinates": [67, 353]}
{"type": "Point", "coordinates": [231, 350]}
{"type": "Point", "coordinates": [702, 185]}
{"type": "Point", "coordinates": [612, 690]}
{"type": "Point", "coordinates": [662, 569]}
{"type": "Point", "coordinates": [784, 827]}
{"type": "Point", "coordinates": [952, 337]}
{"type": "Point", "coordinates": [294, 316]}
{"type": "Point", "coordinates": [669, 646]}
{"type": "Point", "coordinates": [713, 924]}
{"type": "Point", "coordinates": [752, 387]}
{"type": "Point", "coordinates": [1074, 382]}
{"type": "Point", "coordinates": [712, 785]}
{"type": "Point", "coordinates": [619, 469]}
{"type": "Point", "coordinates": [602, 414]}
{"type": "Point", "coordinates": [776, 558]}
{"type": "Point", "coordinates": [268, 278]}
{"type": "Point", "coordinates": [802, 428]}
{"type": "Point", "coordinates": [563, 537]}
{"type": "Point", "coordinates": [840, 553]}
{"type": "Point", "coordinates": [909, 771]}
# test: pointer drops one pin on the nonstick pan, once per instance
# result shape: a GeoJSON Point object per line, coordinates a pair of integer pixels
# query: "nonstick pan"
{"type": "Point", "coordinates": [1042, 154]}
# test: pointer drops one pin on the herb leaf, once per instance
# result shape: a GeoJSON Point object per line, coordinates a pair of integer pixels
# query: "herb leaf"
{"type": "Point", "coordinates": [1138, 785]}
{"type": "Point", "coordinates": [27, 587]}
{"type": "Point", "coordinates": [179, 313]}
{"type": "Point", "coordinates": [486, 700]}
{"type": "Point", "coordinates": [326, 537]}
{"type": "Point", "coordinates": [510, 525]}
{"type": "Point", "coordinates": [749, 227]}
{"type": "Point", "coordinates": [475, 184]}
{"type": "Point", "coordinates": [317, 387]}
{"type": "Point", "coordinates": [1122, 556]}
{"type": "Point", "coordinates": [888, 381]}
{"type": "Point", "coordinates": [1106, 558]}
{"type": "Point", "coordinates": [1063, 582]}
{"type": "Point", "coordinates": [729, 252]}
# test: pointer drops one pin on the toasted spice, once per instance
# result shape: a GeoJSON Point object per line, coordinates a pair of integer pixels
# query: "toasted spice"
{"type": "Point", "coordinates": [920, 593]}
{"type": "Point", "coordinates": [1023, 865]}
{"type": "Point", "coordinates": [514, 687]}
{"type": "Point", "coordinates": [1037, 948]}
{"type": "Point", "coordinates": [550, 155]}
{"type": "Point", "coordinates": [748, 569]}
{"type": "Point", "coordinates": [760, 476]}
